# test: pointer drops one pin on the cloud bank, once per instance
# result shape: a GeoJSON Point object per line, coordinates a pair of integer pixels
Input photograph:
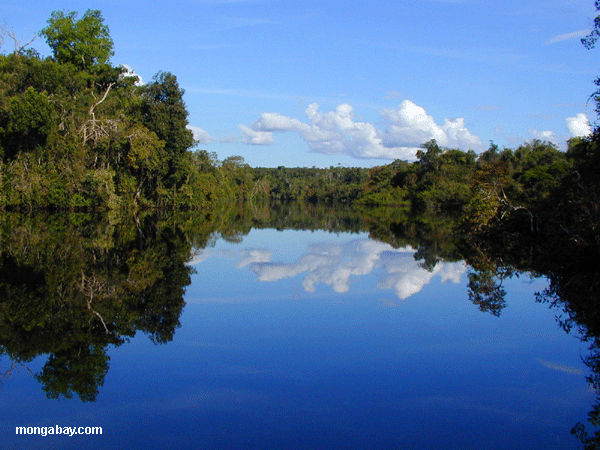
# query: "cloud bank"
{"type": "Point", "coordinates": [337, 132]}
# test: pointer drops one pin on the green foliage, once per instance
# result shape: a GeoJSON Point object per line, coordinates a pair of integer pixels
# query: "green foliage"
{"type": "Point", "coordinates": [28, 121]}
{"type": "Point", "coordinates": [439, 180]}
{"type": "Point", "coordinates": [430, 159]}
{"type": "Point", "coordinates": [574, 209]}
{"type": "Point", "coordinates": [515, 185]}
{"type": "Point", "coordinates": [163, 111]}
{"type": "Point", "coordinates": [84, 43]}
{"type": "Point", "coordinates": [77, 134]}
{"type": "Point", "coordinates": [330, 185]}
{"type": "Point", "coordinates": [590, 40]}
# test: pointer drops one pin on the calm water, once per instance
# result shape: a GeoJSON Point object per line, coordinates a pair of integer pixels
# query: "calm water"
{"type": "Point", "coordinates": [316, 340]}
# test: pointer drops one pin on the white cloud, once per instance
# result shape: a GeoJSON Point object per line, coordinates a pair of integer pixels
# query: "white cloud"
{"type": "Point", "coordinates": [564, 37]}
{"type": "Point", "coordinates": [406, 128]}
{"type": "Point", "coordinates": [199, 256]}
{"type": "Point", "coordinates": [571, 370]}
{"type": "Point", "coordinates": [579, 126]}
{"type": "Point", "coordinates": [129, 72]}
{"type": "Point", "coordinates": [335, 265]}
{"type": "Point", "coordinates": [256, 137]}
{"type": "Point", "coordinates": [201, 136]}
{"type": "Point", "coordinates": [252, 256]}
{"type": "Point", "coordinates": [544, 135]}
{"type": "Point", "coordinates": [411, 125]}
{"type": "Point", "coordinates": [406, 277]}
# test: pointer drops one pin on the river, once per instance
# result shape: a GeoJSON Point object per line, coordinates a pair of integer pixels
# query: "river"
{"type": "Point", "coordinates": [216, 336]}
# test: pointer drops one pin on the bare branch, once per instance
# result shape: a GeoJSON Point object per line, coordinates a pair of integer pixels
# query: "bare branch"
{"type": "Point", "coordinates": [91, 111]}
{"type": "Point", "coordinates": [18, 47]}
{"type": "Point", "coordinates": [91, 286]}
{"type": "Point", "coordinates": [95, 130]}
{"type": "Point", "coordinates": [2, 33]}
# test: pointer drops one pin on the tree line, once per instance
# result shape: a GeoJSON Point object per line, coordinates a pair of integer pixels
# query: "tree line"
{"type": "Point", "coordinates": [78, 133]}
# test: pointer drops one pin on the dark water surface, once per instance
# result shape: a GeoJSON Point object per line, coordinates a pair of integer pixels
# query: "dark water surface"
{"type": "Point", "coordinates": [298, 339]}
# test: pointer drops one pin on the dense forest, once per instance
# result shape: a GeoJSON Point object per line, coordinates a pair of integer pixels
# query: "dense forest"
{"type": "Point", "coordinates": [77, 133]}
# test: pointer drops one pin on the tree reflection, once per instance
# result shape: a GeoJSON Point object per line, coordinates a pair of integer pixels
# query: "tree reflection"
{"type": "Point", "coordinates": [571, 268]}
{"type": "Point", "coordinates": [575, 290]}
{"type": "Point", "coordinates": [74, 286]}
{"type": "Point", "coordinates": [77, 370]}
{"type": "Point", "coordinates": [71, 291]}
{"type": "Point", "coordinates": [486, 291]}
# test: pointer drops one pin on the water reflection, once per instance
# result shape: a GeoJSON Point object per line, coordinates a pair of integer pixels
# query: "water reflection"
{"type": "Point", "coordinates": [69, 292]}
{"type": "Point", "coordinates": [573, 291]}
{"type": "Point", "coordinates": [75, 289]}
{"type": "Point", "coordinates": [336, 264]}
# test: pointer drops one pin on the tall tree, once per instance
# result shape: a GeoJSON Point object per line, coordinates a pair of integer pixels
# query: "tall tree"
{"type": "Point", "coordinates": [85, 42]}
{"type": "Point", "coordinates": [164, 112]}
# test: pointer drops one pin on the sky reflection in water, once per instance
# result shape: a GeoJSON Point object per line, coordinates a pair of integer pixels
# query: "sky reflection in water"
{"type": "Point", "coordinates": [312, 340]}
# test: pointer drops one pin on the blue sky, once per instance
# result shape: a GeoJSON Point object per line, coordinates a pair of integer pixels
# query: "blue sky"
{"type": "Point", "coordinates": [355, 83]}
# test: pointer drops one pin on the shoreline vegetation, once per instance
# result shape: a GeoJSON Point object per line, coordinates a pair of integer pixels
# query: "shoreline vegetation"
{"type": "Point", "coordinates": [82, 136]}
{"type": "Point", "coordinates": [78, 134]}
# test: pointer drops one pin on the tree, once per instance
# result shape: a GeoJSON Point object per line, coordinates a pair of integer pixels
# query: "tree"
{"type": "Point", "coordinates": [431, 158]}
{"type": "Point", "coordinates": [26, 124]}
{"type": "Point", "coordinates": [163, 111]}
{"type": "Point", "coordinates": [590, 40]}
{"type": "Point", "coordinates": [85, 42]}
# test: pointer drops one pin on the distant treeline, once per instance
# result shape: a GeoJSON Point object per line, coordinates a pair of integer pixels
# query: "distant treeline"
{"type": "Point", "coordinates": [441, 179]}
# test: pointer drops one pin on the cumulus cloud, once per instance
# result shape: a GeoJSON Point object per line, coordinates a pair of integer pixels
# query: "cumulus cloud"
{"type": "Point", "coordinates": [201, 136]}
{"type": "Point", "coordinates": [543, 135]}
{"type": "Point", "coordinates": [335, 265]}
{"type": "Point", "coordinates": [411, 125]}
{"type": "Point", "coordinates": [405, 129]}
{"type": "Point", "coordinates": [406, 277]}
{"type": "Point", "coordinates": [256, 137]}
{"type": "Point", "coordinates": [253, 256]}
{"type": "Point", "coordinates": [579, 126]}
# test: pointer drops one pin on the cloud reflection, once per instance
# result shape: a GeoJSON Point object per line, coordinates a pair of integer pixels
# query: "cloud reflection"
{"type": "Point", "coordinates": [336, 264]}
{"type": "Point", "coordinates": [560, 367]}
